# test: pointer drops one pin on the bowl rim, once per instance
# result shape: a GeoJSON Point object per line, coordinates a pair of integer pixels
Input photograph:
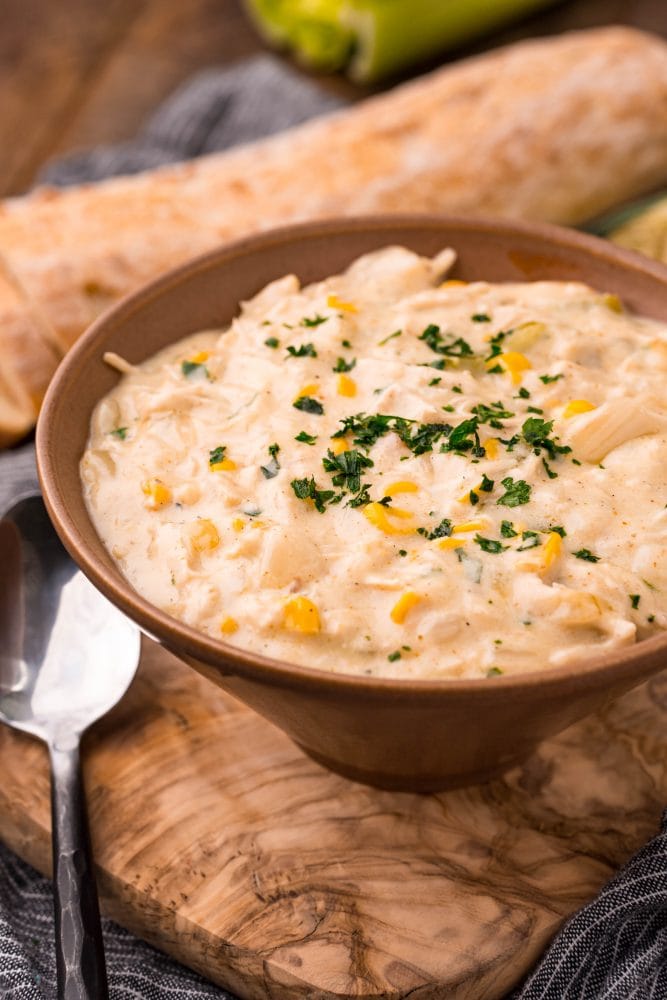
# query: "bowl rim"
{"type": "Point", "coordinates": [238, 662]}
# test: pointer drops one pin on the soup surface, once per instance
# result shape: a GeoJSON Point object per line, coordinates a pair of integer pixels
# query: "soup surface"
{"type": "Point", "coordinates": [393, 473]}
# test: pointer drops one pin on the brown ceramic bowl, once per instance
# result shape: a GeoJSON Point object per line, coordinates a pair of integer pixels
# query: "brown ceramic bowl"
{"type": "Point", "coordinates": [412, 735]}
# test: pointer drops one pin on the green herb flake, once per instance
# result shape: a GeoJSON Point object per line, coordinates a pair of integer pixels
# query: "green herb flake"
{"type": "Point", "coordinates": [344, 366]}
{"type": "Point", "coordinates": [492, 414]}
{"type": "Point", "coordinates": [586, 555]}
{"type": "Point", "coordinates": [547, 379]}
{"type": "Point", "coordinates": [346, 469]}
{"type": "Point", "coordinates": [396, 333]}
{"type": "Point", "coordinates": [523, 393]}
{"type": "Point", "coordinates": [531, 540]}
{"type": "Point", "coordinates": [650, 619]}
{"type": "Point", "coordinates": [634, 600]}
{"type": "Point", "coordinates": [307, 489]}
{"type": "Point", "coordinates": [534, 409]}
{"type": "Point", "coordinates": [443, 530]}
{"type": "Point", "coordinates": [494, 671]}
{"type": "Point", "coordinates": [272, 342]}
{"type": "Point", "coordinates": [402, 552]}
{"type": "Point", "coordinates": [303, 351]}
{"type": "Point", "coordinates": [449, 408]}
{"type": "Point", "coordinates": [480, 318]}
{"type": "Point", "coordinates": [272, 468]}
{"type": "Point", "coordinates": [507, 529]}
{"type": "Point", "coordinates": [396, 655]}
{"type": "Point", "coordinates": [305, 438]}
{"type": "Point", "coordinates": [435, 381]}
{"type": "Point", "coordinates": [119, 432]}
{"type": "Point", "coordinates": [486, 484]}
{"type": "Point", "coordinates": [313, 320]}
{"type": "Point", "coordinates": [454, 347]}
{"type": "Point", "coordinates": [308, 405]}
{"type": "Point", "coordinates": [559, 530]}
{"type": "Point", "coordinates": [516, 493]}
{"type": "Point", "coordinates": [490, 545]}
{"type": "Point", "coordinates": [457, 388]}
{"type": "Point", "coordinates": [189, 368]}
{"type": "Point", "coordinates": [496, 370]}
{"type": "Point", "coordinates": [217, 454]}
{"type": "Point", "coordinates": [345, 343]}
{"type": "Point", "coordinates": [549, 471]}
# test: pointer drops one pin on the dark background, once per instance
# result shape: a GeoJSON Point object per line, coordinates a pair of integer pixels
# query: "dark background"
{"type": "Point", "coordinates": [74, 73]}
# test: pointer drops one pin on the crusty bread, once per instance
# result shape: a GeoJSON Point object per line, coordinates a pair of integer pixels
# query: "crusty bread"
{"type": "Point", "coordinates": [556, 130]}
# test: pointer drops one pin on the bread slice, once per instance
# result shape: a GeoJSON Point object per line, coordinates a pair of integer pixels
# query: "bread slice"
{"type": "Point", "coordinates": [555, 129]}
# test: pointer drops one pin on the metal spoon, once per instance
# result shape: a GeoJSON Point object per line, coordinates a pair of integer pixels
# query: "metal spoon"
{"type": "Point", "coordinates": [67, 657]}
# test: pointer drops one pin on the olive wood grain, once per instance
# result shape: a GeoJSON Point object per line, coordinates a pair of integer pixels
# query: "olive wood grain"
{"type": "Point", "coordinates": [219, 842]}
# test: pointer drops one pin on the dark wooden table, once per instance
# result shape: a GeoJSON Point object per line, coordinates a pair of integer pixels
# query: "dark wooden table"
{"type": "Point", "coordinates": [74, 73]}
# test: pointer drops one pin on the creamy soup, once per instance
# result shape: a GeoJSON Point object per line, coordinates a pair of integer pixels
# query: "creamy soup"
{"type": "Point", "coordinates": [393, 473]}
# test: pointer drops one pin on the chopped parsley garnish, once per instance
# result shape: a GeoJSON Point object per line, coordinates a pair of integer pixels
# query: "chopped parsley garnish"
{"type": "Point", "coordinates": [303, 351]}
{"type": "Point", "coordinates": [191, 367]}
{"type": "Point", "coordinates": [516, 493]}
{"type": "Point", "coordinates": [449, 408]}
{"type": "Point", "coordinates": [366, 429]}
{"type": "Point", "coordinates": [305, 438]}
{"type": "Point", "coordinates": [402, 552]}
{"type": "Point", "coordinates": [307, 489]}
{"type": "Point", "coordinates": [496, 345]}
{"type": "Point", "coordinates": [452, 348]}
{"type": "Point", "coordinates": [586, 555]}
{"type": "Point", "coordinates": [308, 405]}
{"type": "Point", "coordinates": [345, 343]}
{"type": "Point", "coordinates": [396, 333]}
{"type": "Point", "coordinates": [507, 530]}
{"type": "Point", "coordinates": [490, 545]}
{"type": "Point", "coordinates": [559, 530]}
{"type": "Point", "coordinates": [496, 370]}
{"type": "Point", "coordinates": [634, 600]}
{"type": "Point", "coordinates": [534, 409]}
{"type": "Point", "coordinates": [531, 540]}
{"type": "Point", "coordinates": [550, 378]}
{"type": "Point", "coordinates": [346, 469]}
{"type": "Point", "coordinates": [549, 471]}
{"type": "Point", "coordinates": [523, 393]}
{"type": "Point", "coordinates": [435, 381]}
{"type": "Point", "coordinates": [272, 342]}
{"type": "Point", "coordinates": [442, 530]}
{"type": "Point", "coordinates": [119, 432]}
{"type": "Point", "coordinates": [494, 671]}
{"type": "Point", "coordinates": [459, 438]}
{"type": "Point", "coordinates": [457, 388]}
{"type": "Point", "coordinates": [313, 320]}
{"type": "Point", "coordinates": [650, 619]}
{"type": "Point", "coordinates": [487, 484]}
{"type": "Point", "coordinates": [272, 468]}
{"type": "Point", "coordinates": [396, 655]}
{"type": "Point", "coordinates": [344, 366]}
{"type": "Point", "coordinates": [424, 436]}
{"type": "Point", "coordinates": [480, 318]}
{"type": "Point", "coordinates": [492, 414]}
{"type": "Point", "coordinates": [536, 433]}
{"type": "Point", "coordinates": [217, 454]}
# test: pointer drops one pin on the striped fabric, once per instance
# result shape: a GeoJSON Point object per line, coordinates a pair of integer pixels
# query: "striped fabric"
{"type": "Point", "coordinates": [614, 949]}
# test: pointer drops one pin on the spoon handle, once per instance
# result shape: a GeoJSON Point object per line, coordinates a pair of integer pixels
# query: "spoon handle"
{"type": "Point", "coordinates": [80, 964]}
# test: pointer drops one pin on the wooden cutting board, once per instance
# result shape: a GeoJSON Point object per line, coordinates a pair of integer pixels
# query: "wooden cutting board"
{"type": "Point", "coordinates": [220, 843]}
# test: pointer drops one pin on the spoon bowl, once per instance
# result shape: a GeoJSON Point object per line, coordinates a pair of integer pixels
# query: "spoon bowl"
{"type": "Point", "coordinates": [67, 657]}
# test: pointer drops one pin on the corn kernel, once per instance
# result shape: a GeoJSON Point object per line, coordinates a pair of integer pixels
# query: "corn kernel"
{"type": "Point", "coordinates": [468, 526]}
{"type": "Point", "coordinates": [490, 446]}
{"type": "Point", "coordinates": [513, 362]}
{"type": "Point", "coordinates": [334, 302]}
{"type": "Point", "coordinates": [301, 615]}
{"type": "Point", "coordinates": [402, 486]}
{"type": "Point", "coordinates": [452, 282]}
{"type": "Point", "coordinates": [346, 386]}
{"type": "Point", "coordinates": [199, 358]}
{"type": "Point", "coordinates": [339, 445]}
{"type": "Point", "coordinates": [238, 524]}
{"type": "Point", "coordinates": [156, 493]}
{"type": "Point", "coordinates": [613, 302]}
{"type": "Point", "coordinates": [227, 465]}
{"type": "Point", "coordinates": [308, 390]}
{"type": "Point", "coordinates": [451, 543]}
{"type": "Point", "coordinates": [378, 515]}
{"type": "Point", "coordinates": [552, 549]}
{"type": "Point", "coordinates": [204, 535]}
{"type": "Point", "coordinates": [403, 606]}
{"type": "Point", "coordinates": [576, 406]}
{"type": "Point", "coordinates": [228, 626]}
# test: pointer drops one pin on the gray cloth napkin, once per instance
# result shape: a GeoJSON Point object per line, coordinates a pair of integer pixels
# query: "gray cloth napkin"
{"type": "Point", "coordinates": [614, 949]}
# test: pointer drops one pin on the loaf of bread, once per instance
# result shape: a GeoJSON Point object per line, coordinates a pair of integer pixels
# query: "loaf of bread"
{"type": "Point", "coordinates": [557, 130]}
